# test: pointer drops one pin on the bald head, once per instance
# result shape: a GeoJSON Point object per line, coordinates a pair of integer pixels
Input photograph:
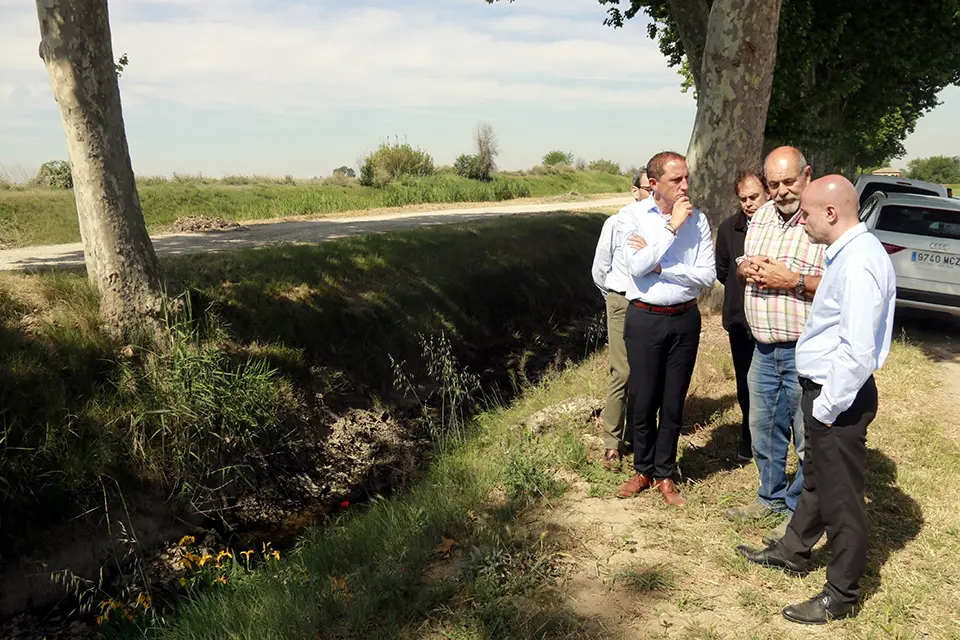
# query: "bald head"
{"type": "Point", "coordinates": [830, 208]}
{"type": "Point", "coordinates": [787, 174]}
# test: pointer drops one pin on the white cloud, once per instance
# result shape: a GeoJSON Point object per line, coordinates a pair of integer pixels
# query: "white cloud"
{"type": "Point", "coordinates": [278, 57]}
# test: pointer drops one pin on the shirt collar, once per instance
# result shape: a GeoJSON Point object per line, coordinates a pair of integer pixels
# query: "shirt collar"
{"type": "Point", "coordinates": [844, 240]}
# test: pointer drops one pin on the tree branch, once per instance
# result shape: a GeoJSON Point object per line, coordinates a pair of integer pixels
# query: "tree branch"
{"type": "Point", "coordinates": [692, 18]}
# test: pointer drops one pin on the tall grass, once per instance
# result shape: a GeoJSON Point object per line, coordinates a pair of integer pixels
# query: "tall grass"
{"type": "Point", "coordinates": [43, 216]}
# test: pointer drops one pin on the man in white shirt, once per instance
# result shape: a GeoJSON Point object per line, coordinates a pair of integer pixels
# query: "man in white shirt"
{"type": "Point", "coordinates": [846, 338]}
{"type": "Point", "coordinates": [669, 267]}
{"type": "Point", "coordinates": [610, 275]}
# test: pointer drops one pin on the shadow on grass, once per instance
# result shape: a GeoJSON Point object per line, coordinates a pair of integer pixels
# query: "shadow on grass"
{"type": "Point", "coordinates": [935, 333]}
{"type": "Point", "coordinates": [894, 517]}
{"type": "Point", "coordinates": [717, 456]}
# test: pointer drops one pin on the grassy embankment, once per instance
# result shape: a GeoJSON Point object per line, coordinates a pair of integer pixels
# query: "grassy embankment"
{"type": "Point", "coordinates": [37, 216]}
{"type": "Point", "coordinates": [292, 331]}
{"type": "Point", "coordinates": [514, 535]}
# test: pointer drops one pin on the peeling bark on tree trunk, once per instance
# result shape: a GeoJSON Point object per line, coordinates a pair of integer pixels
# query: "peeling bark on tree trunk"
{"type": "Point", "coordinates": [78, 53]}
{"type": "Point", "coordinates": [736, 79]}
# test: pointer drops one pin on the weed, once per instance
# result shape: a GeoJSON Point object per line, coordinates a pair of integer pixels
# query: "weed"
{"type": "Point", "coordinates": [647, 579]}
{"type": "Point", "coordinates": [527, 476]}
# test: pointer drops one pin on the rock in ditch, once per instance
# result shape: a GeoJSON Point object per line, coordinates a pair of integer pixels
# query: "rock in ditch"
{"type": "Point", "coordinates": [579, 409]}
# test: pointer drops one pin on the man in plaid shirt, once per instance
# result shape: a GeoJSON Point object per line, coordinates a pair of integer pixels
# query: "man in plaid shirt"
{"type": "Point", "coordinates": [782, 270]}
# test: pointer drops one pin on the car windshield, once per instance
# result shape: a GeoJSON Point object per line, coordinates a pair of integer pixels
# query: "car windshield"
{"type": "Point", "coordinates": [873, 187]}
{"type": "Point", "coordinates": [920, 221]}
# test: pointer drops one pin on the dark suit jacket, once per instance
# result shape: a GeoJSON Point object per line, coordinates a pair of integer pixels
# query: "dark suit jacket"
{"type": "Point", "coordinates": [730, 238]}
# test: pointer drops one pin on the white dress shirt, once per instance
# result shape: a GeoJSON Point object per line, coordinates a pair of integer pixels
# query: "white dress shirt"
{"type": "Point", "coordinates": [609, 267]}
{"type": "Point", "coordinates": [686, 260]}
{"type": "Point", "coordinates": [848, 330]}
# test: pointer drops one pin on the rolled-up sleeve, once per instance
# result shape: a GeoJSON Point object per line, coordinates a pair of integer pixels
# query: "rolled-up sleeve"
{"type": "Point", "coordinates": [855, 360]}
{"type": "Point", "coordinates": [643, 261]}
{"type": "Point", "coordinates": [702, 273]}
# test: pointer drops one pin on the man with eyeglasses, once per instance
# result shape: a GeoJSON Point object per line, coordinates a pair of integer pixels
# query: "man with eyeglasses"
{"type": "Point", "coordinates": [610, 275]}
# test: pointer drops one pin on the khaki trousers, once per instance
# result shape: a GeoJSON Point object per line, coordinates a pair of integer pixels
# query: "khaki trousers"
{"type": "Point", "coordinates": [616, 433]}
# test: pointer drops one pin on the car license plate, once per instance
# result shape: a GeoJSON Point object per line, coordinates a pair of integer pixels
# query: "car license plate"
{"type": "Point", "coordinates": [932, 259]}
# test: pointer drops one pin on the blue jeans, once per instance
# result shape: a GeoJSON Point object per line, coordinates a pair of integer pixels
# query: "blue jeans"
{"type": "Point", "coordinates": [775, 414]}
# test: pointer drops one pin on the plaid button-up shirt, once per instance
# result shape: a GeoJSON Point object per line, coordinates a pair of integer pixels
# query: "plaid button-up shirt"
{"type": "Point", "coordinates": [775, 315]}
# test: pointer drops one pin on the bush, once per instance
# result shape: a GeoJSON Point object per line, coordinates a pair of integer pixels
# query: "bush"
{"type": "Point", "coordinates": [557, 157]}
{"type": "Point", "coordinates": [345, 171]}
{"type": "Point", "coordinates": [471, 167]}
{"type": "Point", "coordinates": [938, 169]}
{"type": "Point", "coordinates": [55, 174]}
{"type": "Point", "coordinates": [392, 160]}
{"type": "Point", "coordinates": [605, 166]}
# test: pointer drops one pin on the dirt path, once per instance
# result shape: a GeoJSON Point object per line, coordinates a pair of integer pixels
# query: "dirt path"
{"type": "Point", "coordinates": [261, 234]}
{"type": "Point", "coordinates": [639, 569]}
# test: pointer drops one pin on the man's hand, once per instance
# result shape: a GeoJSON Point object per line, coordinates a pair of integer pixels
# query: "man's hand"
{"type": "Point", "coordinates": [773, 274]}
{"type": "Point", "coordinates": [749, 270]}
{"type": "Point", "coordinates": [637, 242]}
{"type": "Point", "coordinates": [682, 209]}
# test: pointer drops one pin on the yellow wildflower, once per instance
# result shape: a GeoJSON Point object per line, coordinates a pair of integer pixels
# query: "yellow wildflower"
{"type": "Point", "coordinates": [185, 540]}
{"type": "Point", "coordinates": [224, 554]}
{"type": "Point", "coordinates": [221, 580]}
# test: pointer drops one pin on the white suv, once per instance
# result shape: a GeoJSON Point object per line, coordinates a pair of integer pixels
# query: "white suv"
{"type": "Point", "coordinates": [869, 184]}
{"type": "Point", "coordinates": [922, 237]}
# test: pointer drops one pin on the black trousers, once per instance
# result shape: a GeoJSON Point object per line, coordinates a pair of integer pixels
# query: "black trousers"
{"type": "Point", "coordinates": [661, 352]}
{"type": "Point", "coordinates": [742, 345]}
{"type": "Point", "coordinates": [832, 498]}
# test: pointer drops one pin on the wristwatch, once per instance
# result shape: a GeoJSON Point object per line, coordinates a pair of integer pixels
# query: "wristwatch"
{"type": "Point", "coordinates": [799, 289]}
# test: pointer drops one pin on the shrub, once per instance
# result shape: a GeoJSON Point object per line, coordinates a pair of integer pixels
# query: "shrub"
{"type": "Point", "coordinates": [557, 157]}
{"type": "Point", "coordinates": [345, 171]}
{"type": "Point", "coordinates": [392, 160]}
{"type": "Point", "coordinates": [55, 174]}
{"type": "Point", "coordinates": [470, 167]}
{"type": "Point", "coordinates": [605, 166]}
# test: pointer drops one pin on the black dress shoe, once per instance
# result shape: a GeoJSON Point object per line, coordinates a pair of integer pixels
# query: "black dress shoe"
{"type": "Point", "coordinates": [773, 556]}
{"type": "Point", "coordinates": [819, 609]}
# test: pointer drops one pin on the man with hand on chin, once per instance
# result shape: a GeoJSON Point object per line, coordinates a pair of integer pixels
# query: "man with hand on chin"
{"type": "Point", "coordinates": [670, 260]}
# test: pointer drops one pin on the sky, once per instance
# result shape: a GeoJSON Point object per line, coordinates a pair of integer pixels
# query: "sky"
{"type": "Point", "coordinates": [282, 87]}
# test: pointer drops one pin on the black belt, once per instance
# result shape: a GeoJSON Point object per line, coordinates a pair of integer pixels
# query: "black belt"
{"type": "Point", "coordinates": [668, 309]}
{"type": "Point", "coordinates": [809, 385]}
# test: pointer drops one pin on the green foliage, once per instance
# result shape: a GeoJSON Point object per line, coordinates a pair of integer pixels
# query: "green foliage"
{"type": "Point", "coordinates": [939, 169]}
{"type": "Point", "coordinates": [852, 78]}
{"type": "Point", "coordinates": [122, 63]}
{"type": "Point", "coordinates": [470, 167]}
{"type": "Point", "coordinates": [55, 174]}
{"type": "Point", "coordinates": [345, 171]}
{"type": "Point", "coordinates": [393, 160]}
{"type": "Point", "coordinates": [605, 166]}
{"type": "Point", "coordinates": [557, 157]}
{"type": "Point", "coordinates": [43, 216]}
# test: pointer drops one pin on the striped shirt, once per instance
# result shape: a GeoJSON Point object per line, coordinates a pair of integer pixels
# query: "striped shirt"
{"type": "Point", "coordinates": [776, 315]}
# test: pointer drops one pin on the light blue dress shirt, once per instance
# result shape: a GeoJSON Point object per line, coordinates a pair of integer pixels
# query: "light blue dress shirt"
{"type": "Point", "coordinates": [686, 260]}
{"type": "Point", "coordinates": [609, 267]}
{"type": "Point", "coordinates": [849, 327]}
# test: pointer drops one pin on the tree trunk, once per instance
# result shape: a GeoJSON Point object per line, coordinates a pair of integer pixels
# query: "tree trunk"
{"type": "Point", "coordinates": [736, 79]}
{"type": "Point", "coordinates": [76, 48]}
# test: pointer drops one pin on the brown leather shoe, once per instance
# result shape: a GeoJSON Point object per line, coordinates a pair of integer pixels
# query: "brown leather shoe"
{"type": "Point", "coordinates": [669, 491]}
{"type": "Point", "coordinates": [611, 460]}
{"type": "Point", "coordinates": [634, 485]}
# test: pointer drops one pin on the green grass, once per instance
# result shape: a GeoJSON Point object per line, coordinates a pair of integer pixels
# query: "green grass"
{"type": "Point", "coordinates": [270, 327]}
{"type": "Point", "coordinates": [680, 579]}
{"type": "Point", "coordinates": [35, 216]}
{"type": "Point", "coordinates": [381, 571]}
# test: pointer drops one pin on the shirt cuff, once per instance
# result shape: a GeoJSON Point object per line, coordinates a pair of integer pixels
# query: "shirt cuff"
{"type": "Point", "coordinates": [822, 412]}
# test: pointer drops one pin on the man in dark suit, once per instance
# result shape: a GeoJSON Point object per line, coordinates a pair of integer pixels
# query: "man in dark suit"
{"type": "Point", "coordinates": [751, 190]}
